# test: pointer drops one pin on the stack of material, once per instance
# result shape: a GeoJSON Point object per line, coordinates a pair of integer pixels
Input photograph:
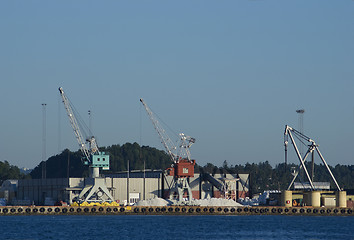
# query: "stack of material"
{"type": "Point", "coordinates": [156, 202]}
{"type": "Point", "coordinates": [159, 202]}
{"type": "Point", "coordinates": [216, 202]}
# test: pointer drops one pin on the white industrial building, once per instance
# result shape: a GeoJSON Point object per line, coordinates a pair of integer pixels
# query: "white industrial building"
{"type": "Point", "coordinates": [126, 187]}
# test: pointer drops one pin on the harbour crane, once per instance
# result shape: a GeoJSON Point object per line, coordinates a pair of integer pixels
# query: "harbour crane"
{"type": "Point", "coordinates": [95, 188]}
{"type": "Point", "coordinates": [183, 167]}
{"type": "Point", "coordinates": [312, 147]}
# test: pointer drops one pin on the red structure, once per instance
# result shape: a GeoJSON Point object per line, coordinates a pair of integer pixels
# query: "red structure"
{"type": "Point", "coordinates": [183, 168]}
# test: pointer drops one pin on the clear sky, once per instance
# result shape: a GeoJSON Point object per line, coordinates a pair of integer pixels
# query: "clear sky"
{"type": "Point", "coordinates": [229, 73]}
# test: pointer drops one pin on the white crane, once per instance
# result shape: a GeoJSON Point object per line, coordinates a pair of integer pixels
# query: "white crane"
{"type": "Point", "coordinates": [74, 124]}
{"type": "Point", "coordinates": [183, 166]}
{"type": "Point", "coordinates": [289, 131]}
{"type": "Point", "coordinates": [185, 141]}
{"type": "Point", "coordinates": [95, 189]}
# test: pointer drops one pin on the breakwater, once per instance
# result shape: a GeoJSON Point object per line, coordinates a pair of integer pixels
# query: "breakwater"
{"type": "Point", "coordinates": [174, 210]}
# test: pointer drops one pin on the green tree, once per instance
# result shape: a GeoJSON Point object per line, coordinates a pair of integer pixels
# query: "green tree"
{"type": "Point", "coordinates": [8, 171]}
{"type": "Point", "coordinates": [70, 163]}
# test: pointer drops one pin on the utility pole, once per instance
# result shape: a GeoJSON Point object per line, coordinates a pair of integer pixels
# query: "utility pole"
{"type": "Point", "coordinates": [128, 197]}
{"type": "Point", "coordinates": [144, 181]}
{"type": "Point", "coordinates": [68, 166]}
{"type": "Point", "coordinates": [44, 167]}
{"type": "Point", "coordinates": [59, 124]}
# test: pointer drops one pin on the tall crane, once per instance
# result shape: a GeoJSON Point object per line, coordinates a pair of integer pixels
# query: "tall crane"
{"type": "Point", "coordinates": [183, 167]}
{"type": "Point", "coordinates": [95, 188]}
{"type": "Point", "coordinates": [312, 147]}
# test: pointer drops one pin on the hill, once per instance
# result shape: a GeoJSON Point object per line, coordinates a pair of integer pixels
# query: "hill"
{"type": "Point", "coordinates": [262, 175]}
{"type": "Point", "coordinates": [69, 163]}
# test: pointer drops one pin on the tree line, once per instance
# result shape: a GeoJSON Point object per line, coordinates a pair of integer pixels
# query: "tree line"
{"type": "Point", "coordinates": [8, 171]}
{"type": "Point", "coordinates": [70, 164]}
{"type": "Point", "coordinates": [262, 175]}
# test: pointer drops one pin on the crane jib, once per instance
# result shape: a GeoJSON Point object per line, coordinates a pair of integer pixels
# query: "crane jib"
{"type": "Point", "coordinates": [92, 156]}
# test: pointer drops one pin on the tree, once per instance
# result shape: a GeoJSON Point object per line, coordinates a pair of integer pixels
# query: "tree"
{"type": "Point", "coordinates": [57, 166]}
{"type": "Point", "coordinates": [8, 171]}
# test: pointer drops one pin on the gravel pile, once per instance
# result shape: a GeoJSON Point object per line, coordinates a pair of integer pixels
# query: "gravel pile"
{"type": "Point", "coordinates": [216, 202]}
{"type": "Point", "coordinates": [159, 202]}
{"type": "Point", "coordinates": [156, 202]}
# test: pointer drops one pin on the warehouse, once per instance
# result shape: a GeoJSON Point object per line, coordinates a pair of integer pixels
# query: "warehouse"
{"type": "Point", "coordinates": [129, 187]}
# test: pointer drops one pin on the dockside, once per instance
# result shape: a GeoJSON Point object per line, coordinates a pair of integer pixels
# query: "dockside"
{"type": "Point", "coordinates": [173, 210]}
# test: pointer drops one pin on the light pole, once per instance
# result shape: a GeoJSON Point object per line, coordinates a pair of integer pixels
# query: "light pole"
{"type": "Point", "coordinates": [301, 129]}
{"type": "Point", "coordinates": [44, 170]}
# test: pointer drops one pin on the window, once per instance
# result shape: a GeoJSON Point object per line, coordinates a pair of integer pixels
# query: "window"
{"type": "Point", "coordinates": [134, 198]}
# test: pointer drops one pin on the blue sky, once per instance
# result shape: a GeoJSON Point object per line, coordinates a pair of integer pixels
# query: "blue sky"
{"type": "Point", "coordinates": [229, 73]}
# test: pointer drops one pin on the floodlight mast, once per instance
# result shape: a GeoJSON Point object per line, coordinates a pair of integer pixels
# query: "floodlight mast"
{"type": "Point", "coordinates": [289, 131]}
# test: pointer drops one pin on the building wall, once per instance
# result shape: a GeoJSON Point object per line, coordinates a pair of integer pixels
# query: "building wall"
{"type": "Point", "coordinates": [8, 190]}
{"type": "Point", "coordinates": [37, 191]}
{"type": "Point", "coordinates": [136, 185]}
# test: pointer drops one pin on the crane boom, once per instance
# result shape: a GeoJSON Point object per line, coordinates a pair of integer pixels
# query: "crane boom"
{"type": "Point", "coordinates": [165, 139]}
{"type": "Point", "coordinates": [87, 152]}
{"type": "Point", "coordinates": [74, 124]}
{"type": "Point", "coordinates": [95, 187]}
{"type": "Point", "coordinates": [183, 167]}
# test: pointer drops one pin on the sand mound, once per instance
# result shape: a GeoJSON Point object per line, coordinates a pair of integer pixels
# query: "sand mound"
{"type": "Point", "coordinates": [216, 202]}
{"type": "Point", "coordinates": [156, 202]}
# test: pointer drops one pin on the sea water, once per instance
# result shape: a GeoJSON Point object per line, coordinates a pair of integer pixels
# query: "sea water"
{"type": "Point", "coordinates": [175, 227]}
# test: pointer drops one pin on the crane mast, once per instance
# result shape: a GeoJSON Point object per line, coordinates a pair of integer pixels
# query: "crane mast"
{"type": "Point", "coordinates": [183, 167]}
{"type": "Point", "coordinates": [95, 188]}
{"type": "Point", "coordinates": [185, 143]}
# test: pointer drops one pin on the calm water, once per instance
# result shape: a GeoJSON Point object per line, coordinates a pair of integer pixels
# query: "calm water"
{"type": "Point", "coordinates": [176, 227]}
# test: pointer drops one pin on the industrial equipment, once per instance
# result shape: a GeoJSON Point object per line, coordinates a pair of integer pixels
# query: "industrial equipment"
{"type": "Point", "coordinates": [95, 189]}
{"type": "Point", "coordinates": [289, 132]}
{"type": "Point", "coordinates": [183, 167]}
{"type": "Point", "coordinates": [227, 186]}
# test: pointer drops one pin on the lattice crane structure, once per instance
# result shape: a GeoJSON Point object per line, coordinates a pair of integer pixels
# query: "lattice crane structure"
{"type": "Point", "coordinates": [312, 147]}
{"type": "Point", "coordinates": [95, 189]}
{"type": "Point", "coordinates": [183, 167]}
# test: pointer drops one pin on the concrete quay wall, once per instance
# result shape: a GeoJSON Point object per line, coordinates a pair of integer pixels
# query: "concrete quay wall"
{"type": "Point", "coordinates": [174, 210]}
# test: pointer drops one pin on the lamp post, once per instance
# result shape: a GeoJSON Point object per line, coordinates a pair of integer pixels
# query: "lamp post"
{"type": "Point", "coordinates": [44, 170]}
{"type": "Point", "coordinates": [301, 129]}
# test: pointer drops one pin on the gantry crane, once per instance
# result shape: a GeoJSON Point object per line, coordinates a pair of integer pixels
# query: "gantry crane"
{"type": "Point", "coordinates": [289, 132]}
{"type": "Point", "coordinates": [183, 167]}
{"type": "Point", "coordinates": [95, 188]}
